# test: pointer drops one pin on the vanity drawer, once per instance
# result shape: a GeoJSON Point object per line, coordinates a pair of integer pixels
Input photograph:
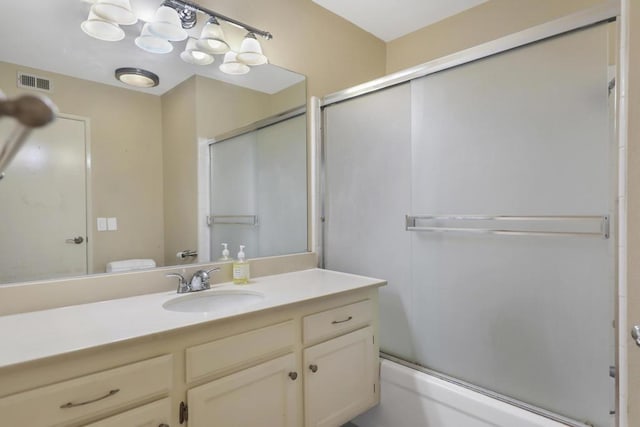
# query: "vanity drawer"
{"type": "Point", "coordinates": [90, 395]}
{"type": "Point", "coordinates": [238, 351]}
{"type": "Point", "coordinates": [336, 321]}
{"type": "Point", "coordinates": [152, 415]}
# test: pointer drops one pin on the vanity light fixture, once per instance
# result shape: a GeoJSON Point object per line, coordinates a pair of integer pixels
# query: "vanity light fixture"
{"type": "Point", "coordinates": [232, 66]}
{"type": "Point", "coordinates": [116, 11]}
{"type": "Point", "coordinates": [137, 77]}
{"type": "Point", "coordinates": [152, 43]}
{"type": "Point", "coordinates": [194, 55]}
{"type": "Point", "coordinates": [102, 29]}
{"type": "Point", "coordinates": [251, 51]}
{"type": "Point", "coordinates": [166, 24]}
{"type": "Point", "coordinates": [170, 24]}
{"type": "Point", "coordinates": [212, 38]}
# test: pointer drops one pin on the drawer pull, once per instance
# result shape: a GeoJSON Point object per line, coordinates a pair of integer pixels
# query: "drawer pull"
{"type": "Point", "coordinates": [293, 375]}
{"type": "Point", "coordinates": [335, 322]}
{"type": "Point", "coordinates": [314, 368]}
{"type": "Point", "coordinates": [73, 405]}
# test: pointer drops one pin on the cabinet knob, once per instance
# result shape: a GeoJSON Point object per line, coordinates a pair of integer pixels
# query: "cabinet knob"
{"type": "Point", "coordinates": [293, 375]}
{"type": "Point", "coordinates": [314, 368]}
{"type": "Point", "coordinates": [635, 334]}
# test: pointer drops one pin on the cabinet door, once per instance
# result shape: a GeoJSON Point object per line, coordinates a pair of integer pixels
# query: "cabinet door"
{"type": "Point", "coordinates": [340, 379]}
{"type": "Point", "coordinates": [264, 395]}
{"type": "Point", "coordinates": [152, 415]}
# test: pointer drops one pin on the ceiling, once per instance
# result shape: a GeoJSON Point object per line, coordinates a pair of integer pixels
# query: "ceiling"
{"type": "Point", "coordinates": [46, 35]}
{"type": "Point", "coordinates": [390, 19]}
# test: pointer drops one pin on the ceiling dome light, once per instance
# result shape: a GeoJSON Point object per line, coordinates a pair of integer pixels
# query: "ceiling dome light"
{"type": "Point", "coordinates": [251, 51]}
{"type": "Point", "coordinates": [116, 11]}
{"type": "Point", "coordinates": [151, 43]}
{"type": "Point", "coordinates": [231, 65]}
{"type": "Point", "coordinates": [166, 24]}
{"type": "Point", "coordinates": [193, 55]}
{"type": "Point", "coordinates": [212, 38]}
{"type": "Point", "coordinates": [137, 77]}
{"type": "Point", "coordinates": [102, 29]}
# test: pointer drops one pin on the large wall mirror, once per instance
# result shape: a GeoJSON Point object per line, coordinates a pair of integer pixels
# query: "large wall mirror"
{"type": "Point", "coordinates": [124, 173]}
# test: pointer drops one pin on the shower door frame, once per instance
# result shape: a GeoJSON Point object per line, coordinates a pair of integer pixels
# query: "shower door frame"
{"type": "Point", "coordinates": [606, 12]}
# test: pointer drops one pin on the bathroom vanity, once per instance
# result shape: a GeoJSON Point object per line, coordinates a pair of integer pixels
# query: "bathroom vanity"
{"type": "Point", "coordinates": [303, 351]}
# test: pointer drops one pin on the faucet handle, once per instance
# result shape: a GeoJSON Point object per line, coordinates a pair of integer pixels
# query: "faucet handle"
{"type": "Point", "coordinates": [212, 270]}
{"type": "Point", "coordinates": [183, 286]}
{"type": "Point", "coordinates": [179, 276]}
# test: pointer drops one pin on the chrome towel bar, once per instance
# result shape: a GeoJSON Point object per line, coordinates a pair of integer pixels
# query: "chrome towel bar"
{"type": "Point", "coordinates": [579, 225]}
{"type": "Point", "coordinates": [233, 219]}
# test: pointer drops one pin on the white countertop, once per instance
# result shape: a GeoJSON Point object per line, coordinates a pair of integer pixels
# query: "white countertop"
{"type": "Point", "coordinates": [35, 335]}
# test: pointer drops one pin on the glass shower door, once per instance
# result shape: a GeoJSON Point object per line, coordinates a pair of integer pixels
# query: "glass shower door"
{"type": "Point", "coordinates": [509, 284]}
{"type": "Point", "coordinates": [259, 190]}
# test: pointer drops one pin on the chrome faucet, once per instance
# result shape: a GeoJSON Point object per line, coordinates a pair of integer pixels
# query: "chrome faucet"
{"type": "Point", "coordinates": [199, 281]}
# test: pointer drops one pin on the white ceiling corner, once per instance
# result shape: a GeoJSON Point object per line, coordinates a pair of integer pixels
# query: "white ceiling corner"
{"type": "Point", "coordinates": [390, 19]}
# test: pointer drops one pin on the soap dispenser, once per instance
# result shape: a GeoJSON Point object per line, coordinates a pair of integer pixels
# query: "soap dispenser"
{"type": "Point", "coordinates": [241, 268]}
{"type": "Point", "coordinates": [225, 253]}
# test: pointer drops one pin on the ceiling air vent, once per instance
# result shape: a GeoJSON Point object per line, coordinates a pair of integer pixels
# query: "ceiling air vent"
{"type": "Point", "coordinates": [30, 81]}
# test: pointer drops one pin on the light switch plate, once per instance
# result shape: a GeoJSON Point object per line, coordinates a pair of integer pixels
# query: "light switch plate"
{"type": "Point", "coordinates": [112, 224]}
{"type": "Point", "coordinates": [101, 223]}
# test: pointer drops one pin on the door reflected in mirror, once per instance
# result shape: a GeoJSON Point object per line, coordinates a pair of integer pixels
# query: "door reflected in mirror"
{"type": "Point", "coordinates": [139, 153]}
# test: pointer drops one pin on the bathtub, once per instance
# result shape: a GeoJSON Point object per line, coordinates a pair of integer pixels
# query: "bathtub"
{"type": "Point", "coordinates": [410, 398]}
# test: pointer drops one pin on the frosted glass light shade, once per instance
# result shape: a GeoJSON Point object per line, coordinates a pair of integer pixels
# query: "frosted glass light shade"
{"type": "Point", "coordinates": [193, 55]}
{"type": "Point", "coordinates": [231, 65]}
{"type": "Point", "coordinates": [166, 24]}
{"type": "Point", "coordinates": [151, 43]}
{"type": "Point", "coordinates": [102, 29]}
{"type": "Point", "coordinates": [251, 51]}
{"type": "Point", "coordinates": [116, 11]}
{"type": "Point", "coordinates": [212, 39]}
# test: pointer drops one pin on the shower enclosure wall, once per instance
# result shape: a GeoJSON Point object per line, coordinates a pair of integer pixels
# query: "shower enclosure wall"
{"type": "Point", "coordinates": [258, 182]}
{"type": "Point", "coordinates": [484, 193]}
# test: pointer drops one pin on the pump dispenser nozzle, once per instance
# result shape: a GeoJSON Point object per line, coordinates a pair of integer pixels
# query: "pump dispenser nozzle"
{"type": "Point", "coordinates": [225, 253]}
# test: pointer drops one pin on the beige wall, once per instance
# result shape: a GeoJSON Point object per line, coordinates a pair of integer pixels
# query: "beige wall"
{"type": "Point", "coordinates": [179, 165]}
{"type": "Point", "coordinates": [310, 40]}
{"type": "Point", "coordinates": [126, 165]}
{"type": "Point", "coordinates": [287, 99]}
{"type": "Point", "coordinates": [483, 23]}
{"type": "Point", "coordinates": [201, 109]}
{"type": "Point", "coordinates": [223, 107]}
{"type": "Point", "coordinates": [633, 206]}
{"type": "Point", "coordinates": [127, 134]}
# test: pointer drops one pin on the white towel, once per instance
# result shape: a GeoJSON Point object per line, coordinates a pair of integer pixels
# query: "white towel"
{"type": "Point", "coordinates": [130, 264]}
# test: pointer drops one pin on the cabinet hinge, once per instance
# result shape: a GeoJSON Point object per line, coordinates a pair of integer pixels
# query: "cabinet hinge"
{"type": "Point", "coordinates": [183, 413]}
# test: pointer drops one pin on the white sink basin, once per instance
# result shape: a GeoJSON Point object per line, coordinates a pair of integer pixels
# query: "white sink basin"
{"type": "Point", "coordinates": [223, 301]}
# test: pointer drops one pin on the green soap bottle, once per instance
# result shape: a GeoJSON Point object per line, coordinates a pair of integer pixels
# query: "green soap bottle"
{"type": "Point", "coordinates": [241, 269]}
